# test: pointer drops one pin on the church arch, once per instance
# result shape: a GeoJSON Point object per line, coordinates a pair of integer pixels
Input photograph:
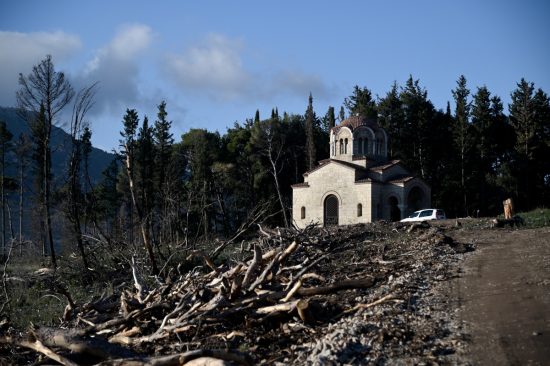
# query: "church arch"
{"type": "Point", "coordinates": [359, 210]}
{"type": "Point", "coordinates": [330, 210]}
{"type": "Point", "coordinates": [380, 142]}
{"type": "Point", "coordinates": [303, 212]}
{"type": "Point", "coordinates": [364, 138]}
{"type": "Point", "coordinates": [395, 211]}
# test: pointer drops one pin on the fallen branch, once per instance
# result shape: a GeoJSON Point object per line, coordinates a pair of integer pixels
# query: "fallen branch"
{"type": "Point", "coordinates": [374, 303]}
{"type": "Point", "coordinates": [335, 287]}
{"type": "Point", "coordinates": [37, 346]}
{"type": "Point", "coordinates": [182, 359]}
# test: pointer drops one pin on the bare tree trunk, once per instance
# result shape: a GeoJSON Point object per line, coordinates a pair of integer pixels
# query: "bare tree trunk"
{"type": "Point", "coordinates": [3, 203]}
{"type": "Point", "coordinates": [142, 222]}
{"type": "Point", "coordinates": [278, 188]}
{"type": "Point", "coordinates": [21, 206]}
{"type": "Point", "coordinates": [47, 162]}
{"type": "Point", "coordinates": [74, 208]}
{"type": "Point", "coordinates": [10, 221]}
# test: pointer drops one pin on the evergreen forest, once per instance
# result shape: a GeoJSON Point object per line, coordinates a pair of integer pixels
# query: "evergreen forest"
{"type": "Point", "coordinates": [162, 192]}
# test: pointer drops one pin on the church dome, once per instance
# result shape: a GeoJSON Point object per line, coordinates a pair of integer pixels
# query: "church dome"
{"type": "Point", "coordinates": [354, 122]}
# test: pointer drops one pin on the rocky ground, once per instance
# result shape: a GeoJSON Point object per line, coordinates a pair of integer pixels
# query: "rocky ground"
{"type": "Point", "coordinates": [384, 293]}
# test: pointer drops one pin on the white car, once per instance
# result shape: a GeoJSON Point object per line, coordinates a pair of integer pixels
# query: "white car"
{"type": "Point", "coordinates": [425, 215]}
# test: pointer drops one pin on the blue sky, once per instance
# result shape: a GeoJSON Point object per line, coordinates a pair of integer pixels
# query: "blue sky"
{"type": "Point", "coordinates": [216, 62]}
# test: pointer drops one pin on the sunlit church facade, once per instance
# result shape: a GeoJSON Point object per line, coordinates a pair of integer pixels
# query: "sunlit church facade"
{"type": "Point", "coordinates": [358, 183]}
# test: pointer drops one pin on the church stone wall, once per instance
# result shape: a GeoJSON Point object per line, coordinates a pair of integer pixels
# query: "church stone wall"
{"type": "Point", "coordinates": [340, 181]}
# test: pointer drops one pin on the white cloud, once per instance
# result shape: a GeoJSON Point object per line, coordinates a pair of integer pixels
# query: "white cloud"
{"type": "Point", "coordinates": [300, 83]}
{"type": "Point", "coordinates": [21, 51]}
{"type": "Point", "coordinates": [215, 68]}
{"type": "Point", "coordinates": [116, 68]}
{"type": "Point", "coordinates": [128, 43]}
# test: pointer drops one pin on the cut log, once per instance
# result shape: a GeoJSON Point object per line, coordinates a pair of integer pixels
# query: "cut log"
{"type": "Point", "coordinates": [251, 271]}
{"type": "Point", "coordinates": [287, 306]}
{"type": "Point", "coordinates": [338, 286]}
{"type": "Point", "coordinates": [304, 311]}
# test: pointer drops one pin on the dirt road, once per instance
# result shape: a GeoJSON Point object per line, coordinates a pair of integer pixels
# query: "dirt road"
{"type": "Point", "coordinates": [503, 296]}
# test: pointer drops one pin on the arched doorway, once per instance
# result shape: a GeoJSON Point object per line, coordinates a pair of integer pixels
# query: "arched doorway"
{"type": "Point", "coordinates": [395, 212]}
{"type": "Point", "coordinates": [415, 200]}
{"type": "Point", "coordinates": [330, 210]}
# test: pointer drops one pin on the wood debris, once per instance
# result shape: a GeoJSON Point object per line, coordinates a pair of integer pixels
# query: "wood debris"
{"type": "Point", "coordinates": [236, 312]}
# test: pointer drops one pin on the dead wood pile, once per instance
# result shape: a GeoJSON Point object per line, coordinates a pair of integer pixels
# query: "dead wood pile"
{"type": "Point", "coordinates": [299, 297]}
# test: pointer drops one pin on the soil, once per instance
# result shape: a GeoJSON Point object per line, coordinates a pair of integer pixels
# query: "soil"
{"type": "Point", "coordinates": [501, 297]}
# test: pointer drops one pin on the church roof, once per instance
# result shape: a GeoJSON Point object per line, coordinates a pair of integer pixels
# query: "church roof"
{"type": "Point", "coordinates": [402, 179]}
{"type": "Point", "coordinates": [385, 165]}
{"type": "Point", "coordinates": [354, 122]}
{"type": "Point", "coordinates": [324, 162]}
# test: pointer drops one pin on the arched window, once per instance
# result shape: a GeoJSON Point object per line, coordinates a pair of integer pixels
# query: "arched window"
{"type": "Point", "coordinates": [345, 146]}
{"type": "Point", "coordinates": [341, 146]}
{"type": "Point", "coordinates": [303, 213]}
{"type": "Point", "coordinates": [359, 210]}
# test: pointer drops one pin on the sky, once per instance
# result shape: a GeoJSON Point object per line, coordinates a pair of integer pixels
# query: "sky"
{"type": "Point", "coordinates": [216, 62]}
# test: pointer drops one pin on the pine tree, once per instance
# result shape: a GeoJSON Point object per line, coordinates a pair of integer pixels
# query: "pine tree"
{"type": "Point", "coordinates": [128, 142]}
{"type": "Point", "coordinates": [529, 116]}
{"type": "Point", "coordinates": [45, 90]}
{"type": "Point", "coordinates": [522, 118]}
{"type": "Point", "coordinates": [163, 145]}
{"type": "Point", "coordinates": [461, 132]}
{"type": "Point", "coordinates": [145, 166]}
{"type": "Point", "coordinates": [391, 118]}
{"type": "Point", "coordinates": [418, 119]}
{"type": "Point", "coordinates": [482, 122]}
{"type": "Point", "coordinates": [361, 103]}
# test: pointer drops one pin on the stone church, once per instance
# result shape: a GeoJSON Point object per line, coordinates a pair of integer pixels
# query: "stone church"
{"type": "Point", "coordinates": [358, 183]}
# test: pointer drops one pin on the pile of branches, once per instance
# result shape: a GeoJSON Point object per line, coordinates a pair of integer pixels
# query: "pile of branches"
{"type": "Point", "coordinates": [249, 311]}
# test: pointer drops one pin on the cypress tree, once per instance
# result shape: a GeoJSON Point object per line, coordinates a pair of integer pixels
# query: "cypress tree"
{"type": "Point", "coordinates": [329, 120]}
{"type": "Point", "coordinates": [342, 114]}
{"type": "Point", "coordinates": [310, 134]}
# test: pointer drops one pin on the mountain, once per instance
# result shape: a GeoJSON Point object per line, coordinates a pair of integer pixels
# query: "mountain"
{"type": "Point", "coordinates": [61, 145]}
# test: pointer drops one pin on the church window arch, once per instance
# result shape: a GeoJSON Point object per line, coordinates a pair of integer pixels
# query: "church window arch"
{"type": "Point", "coordinates": [303, 213]}
{"type": "Point", "coordinates": [359, 210]}
{"type": "Point", "coordinates": [345, 146]}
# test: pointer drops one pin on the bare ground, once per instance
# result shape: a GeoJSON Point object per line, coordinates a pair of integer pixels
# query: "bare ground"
{"type": "Point", "coordinates": [431, 299]}
{"type": "Point", "coordinates": [501, 298]}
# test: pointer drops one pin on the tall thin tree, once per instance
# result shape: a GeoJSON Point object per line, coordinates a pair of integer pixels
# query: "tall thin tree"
{"type": "Point", "coordinates": [461, 130]}
{"type": "Point", "coordinates": [310, 134]}
{"type": "Point", "coordinates": [83, 102]}
{"type": "Point", "coordinates": [45, 88]}
{"type": "Point", "coordinates": [5, 139]}
{"type": "Point", "coordinates": [128, 142]}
